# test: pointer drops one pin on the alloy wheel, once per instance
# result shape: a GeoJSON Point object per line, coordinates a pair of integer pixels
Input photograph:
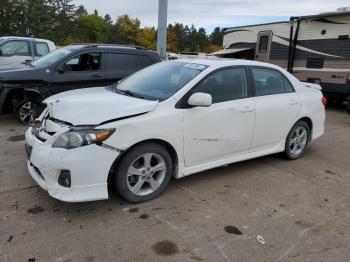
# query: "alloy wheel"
{"type": "Point", "coordinates": [146, 174]}
{"type": "Point", "coordinates": [28, 113]}
{"type": "Point", "coordinates": [298, 140]}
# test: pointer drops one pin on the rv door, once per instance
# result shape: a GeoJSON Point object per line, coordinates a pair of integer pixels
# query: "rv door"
{"type": "Point", "coordinates": [263, 46]}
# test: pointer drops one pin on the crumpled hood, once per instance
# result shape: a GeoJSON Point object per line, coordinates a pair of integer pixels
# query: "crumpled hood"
{"type": "Point", "coordinates": [94, 106]}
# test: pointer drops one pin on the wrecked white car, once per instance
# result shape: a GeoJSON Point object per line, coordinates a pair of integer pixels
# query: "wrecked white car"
{"type": "Point", "coordinates": [171, 119]}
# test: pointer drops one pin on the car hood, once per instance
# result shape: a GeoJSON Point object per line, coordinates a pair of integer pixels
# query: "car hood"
{"type": "Point", "coordinates": [21, 72]}
{"type": "Point", "coordinates": [95, 106]}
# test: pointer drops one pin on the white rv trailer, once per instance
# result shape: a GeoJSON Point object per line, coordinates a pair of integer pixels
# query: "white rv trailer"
{"type": "Point", "coordinates": [315, 48]}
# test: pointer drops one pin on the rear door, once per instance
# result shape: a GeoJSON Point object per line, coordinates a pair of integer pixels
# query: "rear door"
{"type": "Point", "coordinates": [277, 107]}
{"type": "Point", "coordinates": [263, 46]}
{"type": "Point", "coordinates": [40, 49]}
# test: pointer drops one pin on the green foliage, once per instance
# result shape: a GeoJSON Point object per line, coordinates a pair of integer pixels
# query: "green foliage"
{"type": "Point", "coordinates": [64, 23]}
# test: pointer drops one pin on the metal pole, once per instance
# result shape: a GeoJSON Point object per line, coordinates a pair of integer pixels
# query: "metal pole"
{"type": "Point", "coordinates": [162, 27]}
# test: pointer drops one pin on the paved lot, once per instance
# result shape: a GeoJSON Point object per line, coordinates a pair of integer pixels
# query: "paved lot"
{"type": "Point", "coordinates": [301, 209]}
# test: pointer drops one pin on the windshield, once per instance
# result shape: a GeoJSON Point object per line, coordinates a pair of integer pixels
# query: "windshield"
{"type": "Point", "coordinates": [1, 39]}
{"type": "Point", "coordinates": [160, 81]}
{"type": "Point", "coordinates": [51, 58]}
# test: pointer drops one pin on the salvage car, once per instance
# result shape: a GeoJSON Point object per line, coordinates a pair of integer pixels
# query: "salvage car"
{"type": "Point", "coordinates": [14, 50]}
{"type": "Point", "coordinates": [172, 119]}
{"type": "Point", "coordinates": [22, 90]}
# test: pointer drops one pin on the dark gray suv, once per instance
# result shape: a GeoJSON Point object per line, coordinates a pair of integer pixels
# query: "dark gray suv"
{"type": "Point", "coordinates": [22, 90]}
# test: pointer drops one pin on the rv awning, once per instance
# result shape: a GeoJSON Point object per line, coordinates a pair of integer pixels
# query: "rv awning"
{"type": "Point", "coordinates": [229, 51]}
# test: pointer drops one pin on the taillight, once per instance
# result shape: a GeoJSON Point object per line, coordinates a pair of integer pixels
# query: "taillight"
{"type": "Point", "coordinates": [324, 101]}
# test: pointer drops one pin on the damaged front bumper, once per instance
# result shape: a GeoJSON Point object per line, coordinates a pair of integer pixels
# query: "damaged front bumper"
{"type": "Point", "coordinates": [89, 167]}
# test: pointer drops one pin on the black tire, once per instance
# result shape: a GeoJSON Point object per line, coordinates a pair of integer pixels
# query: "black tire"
{"type": "Point", "coordinates": [136, 156]}
{"type": "Point", "coordinates": [26, 111]}
{"type": "Point", "coordinates": [348, 106]}
{"type": "Point", "coordinates": [292, 150]}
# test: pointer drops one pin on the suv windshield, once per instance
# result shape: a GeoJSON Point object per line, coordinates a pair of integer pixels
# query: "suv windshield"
{"type": "Point", "coordinates": [160, 81]}
{"type": "Point", "coordinates": [51, 58]}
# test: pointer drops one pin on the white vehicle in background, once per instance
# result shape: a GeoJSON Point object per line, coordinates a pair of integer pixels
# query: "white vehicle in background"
{"type": "Point", "coordinates": [16, 50]}
{"type": "Point", "coordinates": [171, 119]}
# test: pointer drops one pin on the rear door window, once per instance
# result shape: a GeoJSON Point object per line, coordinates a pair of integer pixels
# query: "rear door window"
{"type": "Point", "coordinates": [42, 49]}
{"type": "Point", "coordinates": [120, 61]}
{"type": "Point", "coordinates": [270, 82]}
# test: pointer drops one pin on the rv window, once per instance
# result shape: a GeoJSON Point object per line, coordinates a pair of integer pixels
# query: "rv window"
{"type": "Point", "coordinates": [315, 62]}
{"type": "Point", "coordinates": [263, 43]}
{"type": "Point", "coordinates": [270, 82]}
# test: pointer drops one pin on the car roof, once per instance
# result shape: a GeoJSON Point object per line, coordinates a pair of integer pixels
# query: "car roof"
{"type": "Point", "coordinates": [24, 38]}
{"type": "Point", "coordinates": [106, 47]}
{"type": "Point", "coordinates": [221, 62]}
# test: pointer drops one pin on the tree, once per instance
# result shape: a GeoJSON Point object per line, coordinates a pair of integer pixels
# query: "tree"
{"type": "Point", "coordinates": [127, 29]}
{"type": "Point", "coordinates": [64, 23]}
{"type": "Point", "coordinates": [216, 37]}
{"type": "Point", "coordinates": [10, 11]}
{"type": "Point", "coordinates": [91, 29]}
{"type": "Point", "coordinates": [147, 37]}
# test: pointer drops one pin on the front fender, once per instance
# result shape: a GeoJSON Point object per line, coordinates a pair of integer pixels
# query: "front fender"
{"type": "Point", "coordinates": [3, 95]}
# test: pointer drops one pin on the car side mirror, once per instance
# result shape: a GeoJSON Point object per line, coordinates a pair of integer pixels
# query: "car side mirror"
{"type": "Point", "coordinates": [62, 69]}
{"type": "Point", "coordinates": [200, 99]}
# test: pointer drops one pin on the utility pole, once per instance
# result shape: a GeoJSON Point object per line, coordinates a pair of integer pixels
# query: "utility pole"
{"type": "Point", "coordinates": [162, 27]}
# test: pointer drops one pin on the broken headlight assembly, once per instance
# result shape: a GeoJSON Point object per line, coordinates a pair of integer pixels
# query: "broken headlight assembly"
{"type": "Point", "coordinates": [79, 138]}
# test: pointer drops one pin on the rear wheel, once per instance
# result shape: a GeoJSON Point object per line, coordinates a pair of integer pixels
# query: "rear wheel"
{"type": "Point", "coordinates": [27, 111]}
{"type": "Point", "coordinates": [297, 140]}
{"type": "Point", "coordinates": [143, 173]}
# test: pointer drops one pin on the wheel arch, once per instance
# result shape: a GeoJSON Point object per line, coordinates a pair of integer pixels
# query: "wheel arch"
{"type": "Point", "coordinates": [173, 153]}
{"type": "Point", "coordinates": [18, 94]}
{"type": "Point", "coordinates": [308, 120]}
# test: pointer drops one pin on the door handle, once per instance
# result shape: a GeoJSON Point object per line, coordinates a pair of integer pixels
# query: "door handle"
{"type": "Point", "coordinates": [247, 109]}
{"type": "Point", "coordinates": [97, 76]}
{"type": "Point", "coordinates": [293, 102]}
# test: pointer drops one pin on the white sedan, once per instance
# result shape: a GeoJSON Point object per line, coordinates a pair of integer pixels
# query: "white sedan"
{"type": "Point", "coordinates": [172, 119]}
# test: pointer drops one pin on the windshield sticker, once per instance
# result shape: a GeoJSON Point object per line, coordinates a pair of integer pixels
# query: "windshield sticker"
{"type": "Point", "coordinates": [195, 66]}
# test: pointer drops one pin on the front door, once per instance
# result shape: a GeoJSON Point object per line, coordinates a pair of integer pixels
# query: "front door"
{"type": "Point", "coordinates": [263, 46]}
{"type": "Point", "coordinates": [14, 53]}
{"type": "Point", "coordinates": [225, 128]}
{"type": "Point", "coordinates": [81, 71]}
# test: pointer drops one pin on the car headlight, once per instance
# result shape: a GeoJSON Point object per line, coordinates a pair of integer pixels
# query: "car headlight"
{"type": "Point", "coordinates": [79, 138]}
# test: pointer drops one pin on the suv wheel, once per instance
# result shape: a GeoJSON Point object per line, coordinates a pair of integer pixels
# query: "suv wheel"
{"type": "Point", "coordinates": [27, 111]}
{"type": "Point", "coordinates": [143, 173]}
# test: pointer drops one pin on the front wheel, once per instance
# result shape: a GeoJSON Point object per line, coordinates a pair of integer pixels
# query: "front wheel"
{"type": "Point", "coordinates": [27, 111]}
{"type": "Point", "coordinates": [297, 140]}
{"type": "Point", "coordinates": [143, 173]}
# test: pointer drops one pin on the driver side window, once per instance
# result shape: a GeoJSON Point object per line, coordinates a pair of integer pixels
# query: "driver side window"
{"type": "Point", "coordinates": [225, 85]}
{"type": "Point", "coordinates": [15, 48]}
{"type": "Point", "coordinates": [84, 62]}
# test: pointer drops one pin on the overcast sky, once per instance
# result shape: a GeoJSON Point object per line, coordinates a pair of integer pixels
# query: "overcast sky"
{"type": "Point", "coordinates": [211, 13]}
